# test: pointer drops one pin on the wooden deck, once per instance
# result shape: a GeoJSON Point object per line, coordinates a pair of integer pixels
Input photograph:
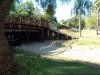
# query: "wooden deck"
{"type": "Point", "coordinates": [26, 29]}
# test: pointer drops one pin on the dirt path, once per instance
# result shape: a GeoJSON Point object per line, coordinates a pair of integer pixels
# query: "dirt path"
{"type": "Point", "coordinates": [55, 50]}
{"type": "Point", "coordinates": [81, 53]}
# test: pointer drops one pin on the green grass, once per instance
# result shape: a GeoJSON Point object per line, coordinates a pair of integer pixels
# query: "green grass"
{"type": "Point", "coordinates": [30, 64]}
{"type": "Point", "coordinates": [88, 41]}
{"type": "Point", "coordinates": [69, 32]}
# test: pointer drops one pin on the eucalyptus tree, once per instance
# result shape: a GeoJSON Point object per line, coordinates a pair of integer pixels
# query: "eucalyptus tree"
{"type": "Point", "coordinates": [97, 6]}
{"type": "Point", "coordinates": [81, 7]}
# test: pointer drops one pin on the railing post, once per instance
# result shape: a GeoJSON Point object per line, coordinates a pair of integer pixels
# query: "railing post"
{"type": "Point", "coordinates": [58, 35]}
{"type": "Point", "coordinates": [11, 22]}
{"type": "Point", "coordinates": [42, 34]}
{"type": "Point", "coordinates": [48, 34]}
{"type": "Point", "coordinates": [20, 23]}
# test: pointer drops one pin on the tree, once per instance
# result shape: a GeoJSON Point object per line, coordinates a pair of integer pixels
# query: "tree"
{"type": "Point", "coordinates": [97, 6]}
{"type": "Point", "coordinates": [90, 22]}
{"type": "Point", "coordinates": [80, 8]}
{"type": "Point", "coordinates": [49, 12]}
{"type": "Point", "coordinates": [26, 8]}
{"type": "Point", "coordinates": [73, 22]}
{"type": "Point", "coordinates": [6, 60]}
{"type": "Point", "coordinates": [29, 7]}
{"type": "Point", "coordinates": [49, 9]}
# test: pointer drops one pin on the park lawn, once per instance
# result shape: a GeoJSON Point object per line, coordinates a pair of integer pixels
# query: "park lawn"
{"type": "Point", "coordinates": [69, 32]}
{"type": "Point", "coordinates": [30, 64]}
{"type": "Point", "coordinates": [88, 41]}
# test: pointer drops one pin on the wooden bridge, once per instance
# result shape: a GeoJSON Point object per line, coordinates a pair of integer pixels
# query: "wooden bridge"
{"type": "Point", "coordinates": [21, 29]}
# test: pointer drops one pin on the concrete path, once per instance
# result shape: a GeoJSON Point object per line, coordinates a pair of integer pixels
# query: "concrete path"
{"type": "Point", "coordinates": [55, 50]}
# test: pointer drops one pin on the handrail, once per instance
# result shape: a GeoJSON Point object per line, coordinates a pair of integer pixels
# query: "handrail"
{"type": "Point", "coordinates": [23, 20]}
{"type": "Point", "coordinates": [24, 23]}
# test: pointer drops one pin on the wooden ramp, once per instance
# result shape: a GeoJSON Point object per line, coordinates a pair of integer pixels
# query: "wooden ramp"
{"type": "Point", "coordinates": [26, 29]}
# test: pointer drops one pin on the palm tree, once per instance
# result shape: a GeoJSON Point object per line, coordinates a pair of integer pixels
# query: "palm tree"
{"type": "Point", "coordinates": [80, 8]}
{"type": "Point", "coordinates": [50, 5]}
{"type": "Point", "coordinates": [97, 6]}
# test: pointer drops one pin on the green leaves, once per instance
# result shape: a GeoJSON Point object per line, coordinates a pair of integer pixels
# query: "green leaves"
{"type": "Point", "coordinates": [82, 5]}
{"type": "Point", "coordinates": [97, 3]}
{"type": "Point", "coordinates": [26, 8]}
{"type": "Point", "coordinates": [91, 22]}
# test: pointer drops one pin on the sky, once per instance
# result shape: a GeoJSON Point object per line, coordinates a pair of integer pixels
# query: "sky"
{"type": "Point", "coordinates": [63, 12]}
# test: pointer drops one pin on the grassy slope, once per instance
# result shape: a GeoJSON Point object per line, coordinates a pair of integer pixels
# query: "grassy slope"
{"type": "Point", "coordinates": [69, 32]}
{"type": "Point", "coordinates": [88, 41]}
{"type": "Point", "coordinates": [29, 64]}
{"type": "Point", "coordinates": [89, 37]}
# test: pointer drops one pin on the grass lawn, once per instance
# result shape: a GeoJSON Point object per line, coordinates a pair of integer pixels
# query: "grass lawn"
{"type": "Point", "coordinates": [88, 41]}
{"type": "Point", "coordinates": [30, 64]}
{"type": "Point", "coordinates": [89, 37]}
{"type": "Point", "coordinates": [69, 32]}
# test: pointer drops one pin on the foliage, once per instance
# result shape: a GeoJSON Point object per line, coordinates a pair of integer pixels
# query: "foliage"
{"type": "Point", "coordinates": [97, 3]}
{"type": "Point", "coordinates": [50, 10]}
{"type": "Point", "coordinates": [64, 22]}
{"type": "Point", "coordinates": [82, 5]}
{"type": "Point", "coordinates": [28, 64]}
{"type": "Point", "coordinates": [44, 3]}
{"type": "Point", "coordinates": [49, 6]}
{"type": "Point", "coordinates": [90, 22]}
{"type": "Point", "coordinates": [29, 7]}
{"type": "Point", "coordinates": [73, 22]}
{"type": "Point", "coordinates": [26, 8]}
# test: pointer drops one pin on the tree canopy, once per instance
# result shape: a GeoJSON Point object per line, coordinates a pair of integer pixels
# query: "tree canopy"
{"type": "Point", "coordinates": [82, 5]}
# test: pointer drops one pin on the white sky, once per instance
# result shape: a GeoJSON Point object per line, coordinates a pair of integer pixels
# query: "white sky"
{"type": "Point", "coordinates": [63, 11]}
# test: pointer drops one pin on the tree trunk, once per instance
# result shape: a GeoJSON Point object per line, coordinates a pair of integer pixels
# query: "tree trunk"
{"type": "Point", "coordinates": [79, 16]}
{"type": "Point", "coordinates": [97, 21]}
{"type": "Point", "coordinates": [6, 59]}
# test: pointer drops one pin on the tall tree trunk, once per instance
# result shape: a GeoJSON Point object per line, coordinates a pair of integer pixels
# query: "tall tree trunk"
{"type": "Point", "coordinates": [6, 59]}
{"type": "Point", "coordinates": [97, 21]}
{"type": "Point", "coordinates": [79, 16]}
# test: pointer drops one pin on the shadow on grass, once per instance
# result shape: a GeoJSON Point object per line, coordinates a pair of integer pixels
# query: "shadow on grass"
{"type": "Point", "coordinates": [30, 64]}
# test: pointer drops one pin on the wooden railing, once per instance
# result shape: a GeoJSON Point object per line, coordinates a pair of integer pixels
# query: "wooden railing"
{"type": "Point", "coordinates": [24, 23]}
